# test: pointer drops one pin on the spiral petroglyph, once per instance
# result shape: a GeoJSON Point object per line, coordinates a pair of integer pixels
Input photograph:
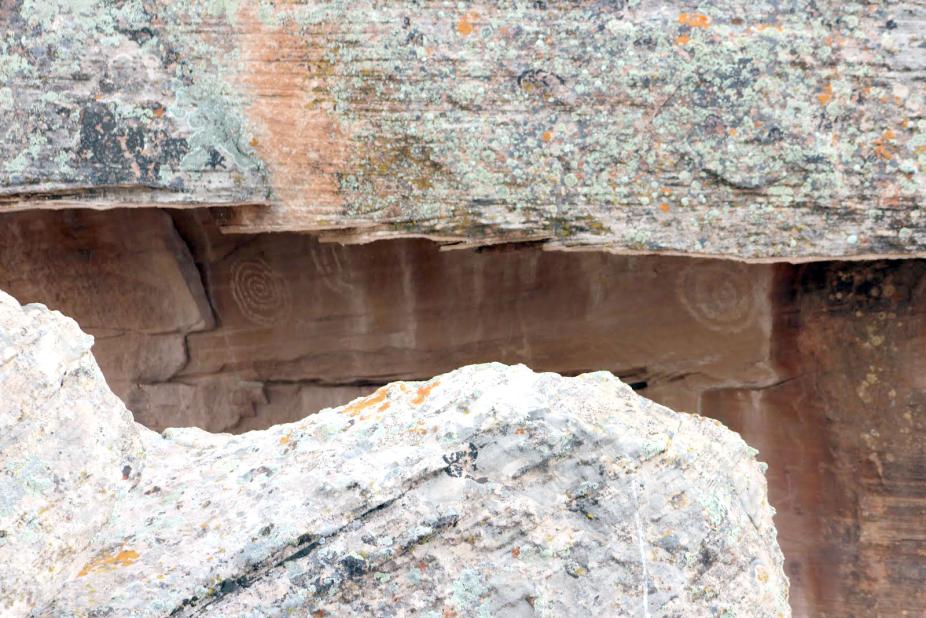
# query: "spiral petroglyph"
{"type": "Point", "coordinates": [260, 293]}
{"type": "Point", "coordinates": [718, 294]}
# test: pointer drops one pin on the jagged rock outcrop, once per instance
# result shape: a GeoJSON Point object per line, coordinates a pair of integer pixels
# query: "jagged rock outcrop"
{"type": "Point", "coordinates": [488, 490]}
{"type": "Point", "coordinates": [68, 448]}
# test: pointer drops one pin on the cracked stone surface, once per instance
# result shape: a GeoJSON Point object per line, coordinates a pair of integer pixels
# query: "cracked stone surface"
{"type": "Point", "coordinates": [490, 490]}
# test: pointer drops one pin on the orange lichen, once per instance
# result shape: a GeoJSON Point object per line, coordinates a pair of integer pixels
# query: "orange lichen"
{"type": "Point", "coordinates": [682, 39]}
{"type": "Point", "coordinates": [515, 552]}
{"type": "Point", "coordinates": [882, 145]}
{"type": "Point", "coordinates": [548, 136]}
{"type": "Point", "coordinates": [763, 27]}
{"type": "Point", "coordinates": [825, 95]}
{"type": "Point", "coordinates": [694, 20]}
{"type": "Point", "coordinates": [664, 207]}
{"type": "Point", "coordinates": [285, 439]}
{"type": "Point", "coordinates": [423, 393]}
{"type": "Point", "coordinates": [108, 562]}
{"type": "Point", "coordinates": [465, 25]}
{"type": "Point", "coordinates": [357, 407]}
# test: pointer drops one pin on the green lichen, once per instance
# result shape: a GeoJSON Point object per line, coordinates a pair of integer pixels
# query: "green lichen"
{"type": "Point", "coordinates": [14, 65]}
{"type": "Point", "coordinates": [207, 107]}
{"type": "Point", "coordinates": [6, 99]}
{"type": "Point", "coordinates": [468, 589]}
{"type": "Point", "coordinates": [224, 8]}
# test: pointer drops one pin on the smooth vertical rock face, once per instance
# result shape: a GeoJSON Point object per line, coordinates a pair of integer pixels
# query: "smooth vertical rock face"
{"type": "Point", "coordinates": [489, 490]}
{"type": "Point", "coordinates": [844, 435]}
{"type": "Point", "coordinates": [230, 333]}
{"type": "Point", "coordinates": [292, 310]}
{"type": "Point", "coordinates": [126, 276]}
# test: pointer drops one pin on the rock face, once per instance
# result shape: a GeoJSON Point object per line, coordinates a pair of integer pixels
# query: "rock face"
{"type": "Point", "coordinates": [67, 448]}
{"type": "Point", "coordinates": [231, 333]}
{"type": "Point", "coordinates": [817, 365]}
{"type": "Point", "coordinates": [761, 130]}
{"type": "Point", "coordinates": [491, 490]}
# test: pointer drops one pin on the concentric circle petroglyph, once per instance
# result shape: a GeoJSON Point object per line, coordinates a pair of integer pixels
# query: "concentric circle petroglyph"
{"type": "Point", "coordinates": [261, 294]}
{"type": "Point", "coordinates": [719, 295]}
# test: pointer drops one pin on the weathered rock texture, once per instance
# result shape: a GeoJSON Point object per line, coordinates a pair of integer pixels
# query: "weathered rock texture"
{"type": "Point", "coordinates": [767, 129]}
{"type": "Point", "coordinates": [844, 435]}
{"type": "Point", "coordinates": [489, 490]}
{"type": "Point", "coordinates": [816, 365]}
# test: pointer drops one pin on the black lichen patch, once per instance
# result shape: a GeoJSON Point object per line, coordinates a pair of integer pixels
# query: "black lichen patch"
{"type": "Point", "coordinates": [216, 159]}
{"type": "Point", "coordinates": [122, 151]}
{"type": "Point", "coordinates": [231, 585]}
{"type": "Point", "coordinates": [252, 474]}
{"type": "Point", "coordinates": [707, 557]}
{"type": "Point", "coordinates": [546, 85]}
{"type": "Point", "coordinates": [353, 566]}
{"type": "Point", "coordinates": [461, 461]}
{"type": "Point", "coordinates": [584, 502]}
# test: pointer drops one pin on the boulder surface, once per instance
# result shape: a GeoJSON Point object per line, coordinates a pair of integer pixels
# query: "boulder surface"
{"type": "Point", "coordinates": [490, 490]}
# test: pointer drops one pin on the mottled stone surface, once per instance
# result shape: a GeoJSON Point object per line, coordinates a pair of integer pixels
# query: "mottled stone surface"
{"type": "Point", "coordinates": [844, 434]}
{"type": "Point", "coordinates": [760, 130]}
{"type": "Point", "coordinates": [489, 490]}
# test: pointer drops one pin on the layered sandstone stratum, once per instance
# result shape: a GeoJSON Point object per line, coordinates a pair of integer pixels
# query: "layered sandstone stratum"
{"type": "Point", "coordinates": [490, 490]}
